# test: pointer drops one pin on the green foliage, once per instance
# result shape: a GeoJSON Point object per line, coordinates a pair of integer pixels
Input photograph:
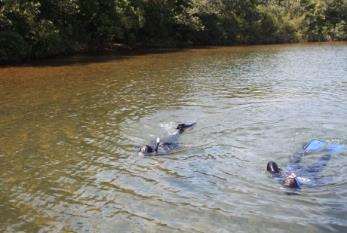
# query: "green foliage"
{"type": "Point", "coordinates": [44, 28]}
{"type": "Point", "coordinates": [130, 16]}
{"type": "Point", "coordinates": [13, 48]}
{"type": "Point", "coordinates": [46, 41]}
{"type": "Point", "coordinates": [98, 23]}
{"type": "Point", "coordinates": [277, 25]}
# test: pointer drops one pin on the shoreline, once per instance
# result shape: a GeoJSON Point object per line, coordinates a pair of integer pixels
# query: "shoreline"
{"type": "Point", "coordinates": [122, 52]}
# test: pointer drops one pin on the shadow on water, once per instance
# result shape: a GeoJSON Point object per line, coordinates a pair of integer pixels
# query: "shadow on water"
{"type": "Point", "coordinates": [85, 59]}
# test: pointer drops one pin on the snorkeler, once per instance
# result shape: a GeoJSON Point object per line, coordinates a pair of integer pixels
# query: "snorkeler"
{"type": "Point", "coordinates": [165, 145]}
{"type": "Point", "coordinates": [296, 175]}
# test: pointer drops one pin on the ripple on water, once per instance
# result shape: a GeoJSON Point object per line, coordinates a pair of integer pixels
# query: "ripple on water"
{"type": "Point", "coordinates": [69, 136]}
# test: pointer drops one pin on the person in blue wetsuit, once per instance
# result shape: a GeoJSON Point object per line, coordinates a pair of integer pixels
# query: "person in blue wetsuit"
{"type": "Point", "coordinates": [296, 175]}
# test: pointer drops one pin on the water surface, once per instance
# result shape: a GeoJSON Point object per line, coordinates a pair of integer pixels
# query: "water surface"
{"type": "Point", "coordinates": [69, 131]}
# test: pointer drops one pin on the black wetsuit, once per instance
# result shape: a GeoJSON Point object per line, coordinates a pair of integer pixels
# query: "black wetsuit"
{"type": "Point", "coordinates": [165, 145]}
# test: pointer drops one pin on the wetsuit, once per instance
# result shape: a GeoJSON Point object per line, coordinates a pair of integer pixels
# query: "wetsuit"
{"type": "Point", "coordinates": [167, 144]}
{"type": "Point", "coordinates": [308, 175]}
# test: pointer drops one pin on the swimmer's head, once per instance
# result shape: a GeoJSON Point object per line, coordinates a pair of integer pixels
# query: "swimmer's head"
{"type": "Point", "coordinates": [291, 181]}
{"type": "Point", "coordinates": [273, 168]}
{"type": "Point", "coordinates": [146, 149]}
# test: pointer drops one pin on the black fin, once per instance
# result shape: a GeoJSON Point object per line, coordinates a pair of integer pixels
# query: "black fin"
{"type": "Point", "coordinates": [183, 126]}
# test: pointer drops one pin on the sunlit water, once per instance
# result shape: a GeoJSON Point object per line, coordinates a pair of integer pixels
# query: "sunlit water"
{"type": "Point", "coordinates": [69, 132]}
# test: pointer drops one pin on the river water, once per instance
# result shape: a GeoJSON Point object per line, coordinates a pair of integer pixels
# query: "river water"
{"type": "Point", "coordinates": [70, 129]}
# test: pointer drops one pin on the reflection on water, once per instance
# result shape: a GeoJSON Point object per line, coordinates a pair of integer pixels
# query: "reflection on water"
{"type": "Point", "coordinates": [69, 131]}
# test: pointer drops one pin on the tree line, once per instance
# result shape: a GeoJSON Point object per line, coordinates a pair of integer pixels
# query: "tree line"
{"type": "Point", "coordinates": [33, 29]}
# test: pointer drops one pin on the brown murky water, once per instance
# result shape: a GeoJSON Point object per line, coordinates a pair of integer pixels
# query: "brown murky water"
{"type": "Point", "coordinates": [69, 131]}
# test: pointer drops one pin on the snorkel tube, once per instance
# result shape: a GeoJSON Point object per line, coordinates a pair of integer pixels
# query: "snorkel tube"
{"type": "Point", "coordinates": [157, 145]}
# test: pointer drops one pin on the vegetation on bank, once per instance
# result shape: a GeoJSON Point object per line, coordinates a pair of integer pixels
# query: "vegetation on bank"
{"type": "Point", "coordinates": [31, 29]}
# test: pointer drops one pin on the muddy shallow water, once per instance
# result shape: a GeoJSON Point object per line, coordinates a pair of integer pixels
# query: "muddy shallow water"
{"type": "Point", "coordinates": [69, 131]}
